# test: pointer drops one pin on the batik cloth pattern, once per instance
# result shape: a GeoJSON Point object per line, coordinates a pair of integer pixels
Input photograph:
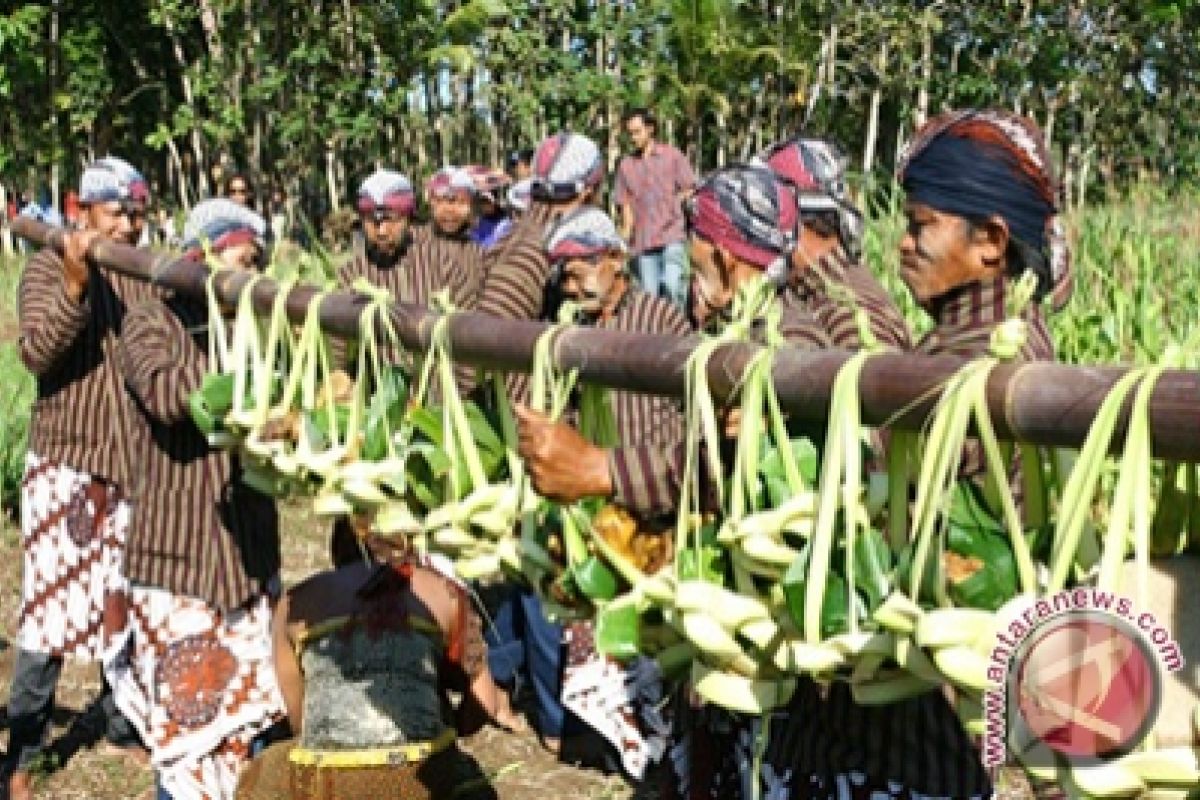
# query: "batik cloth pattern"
{"type": "Point", "coordinates": [73, 530]}
{"type": "Point", "coordinates": [623, 703]}
{"type": "Point", "coordinates": [199, 685]}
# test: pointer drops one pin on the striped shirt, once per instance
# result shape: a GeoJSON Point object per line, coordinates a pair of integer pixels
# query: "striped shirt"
{"type": "Point", "coordinates": [517, 271]}
{"type": "Point", "coordinates": [833, 287]}
{"type": "Point", "coordinates": [965, 319]}
{"type": "Point", "coordinates": [649, 426]}
{"type": "Point", "coordinates": [196, 530]}
{"type": "Point", "coordinates": [920, 742]}
{"type": "Point", "coordinates": [428, 263]}
{"type": "Point", "coordinates": [79, 416]}
{"type": "Point", "coordinates": [647, 480]}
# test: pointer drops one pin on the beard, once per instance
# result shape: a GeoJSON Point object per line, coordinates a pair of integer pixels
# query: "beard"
{"type": "Point", "coordinates": [385, 256]}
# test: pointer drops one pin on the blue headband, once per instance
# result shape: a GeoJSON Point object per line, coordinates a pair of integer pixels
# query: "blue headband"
{"type": "Point", "coordinates": [974, 179]}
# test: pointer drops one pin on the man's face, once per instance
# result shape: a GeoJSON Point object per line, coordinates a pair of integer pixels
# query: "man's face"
{"type": "Point", "coordinates": [451, 211]}
{"type": "Point", "coordinates": [239, 192]}
{"type": "Point", "coordinates": [117, 220]}
{"type": "Point", "coordinates": [937, 253]}
{"type": "Point", "coordinates": [487, 207]}
{"type": "Point", "coordinates": [712, 286]}
{"type": "Point", "coordinates": [639, 132]}
{"type": "Point", "coordinates": [594, 282]}
{"type": "Point", "coordinates": [242, 256]}
{"type": "Point", "coordinates": [384, 232]}
{"type": "Point", "coordinates": [521, 171]}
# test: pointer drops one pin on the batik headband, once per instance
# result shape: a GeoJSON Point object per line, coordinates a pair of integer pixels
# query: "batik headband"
{"type": "Point", "coordinates": [982, 163]}
{"type": "Point", "coordinates": [386, 190]}
{"type": "Point", "coordinates": [586, 232]}
{"type": "Point", "coordinates": [750, 213]}
{"type": "Point", "coordinates": [110, 179]}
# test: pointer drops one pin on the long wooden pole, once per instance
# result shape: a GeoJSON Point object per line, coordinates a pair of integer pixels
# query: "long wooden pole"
{"type": "Point", "coordinates": [1042, 403]}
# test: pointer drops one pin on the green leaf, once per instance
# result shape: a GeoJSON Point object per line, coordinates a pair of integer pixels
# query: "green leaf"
{"type": "Point", "coordinates": [834, 611]}
{"type": "Point", "coordinates": [984, 574]}
{"type": "Point", "coordinates": [709, 564]}
{"type": "Point", "coordinates": [617, 628]}
{"type": "Point", "coordinates": [872, 564]}
{"type": "Point", "coordinates": [485, 431]}
{"type": "Point", "coordinates": [211, 402]}
{"type": "Point", "coordinates": [595, 580]}
{"type": "Point", "coordinates": [773, 475]}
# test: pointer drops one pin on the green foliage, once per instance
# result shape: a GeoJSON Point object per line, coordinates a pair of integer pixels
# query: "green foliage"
{"type": "Point", "coordinates": [16, 395]}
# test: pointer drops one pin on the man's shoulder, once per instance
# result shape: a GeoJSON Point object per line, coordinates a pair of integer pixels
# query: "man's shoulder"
{"type": "Point", "coordinates": [658, 314]}
{"type": "Point", "coordinates": [669, 151]}
{"type": "Point", "coordinates": [45, 257]}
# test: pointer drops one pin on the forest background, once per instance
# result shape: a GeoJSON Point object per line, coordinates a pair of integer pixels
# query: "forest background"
{"type": "Point", "coordinates": [307, 97]}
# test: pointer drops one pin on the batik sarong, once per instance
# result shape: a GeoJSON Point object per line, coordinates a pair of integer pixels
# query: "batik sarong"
{"type": "Point", "coordinates": [199, 685]}
{"type": "Point", "coordinates": [621, 702]}
{"type": "Point", "coordinates": [73, 529]}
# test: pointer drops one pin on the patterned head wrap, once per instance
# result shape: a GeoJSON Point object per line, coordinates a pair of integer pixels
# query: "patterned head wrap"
{"type": "Point", "coordinates": [978, 163]}
{"type": "Point", "coordinates": [388, 190]}
{"type": "Point", "coordinates": [518, 194]}
{"type": "Point", "coordinates": [449, 182]}
{"type": "Point", "coordinates": [111, 179]}
{"type": "Point", "coordinates": [564, 166]}
{"type": "Point", "coordinates": [586, 232]}
{"type": "Point", "coordinates": [222, 223]}
{"type": "Point", "coordinates": [489, 183]}
{"type": "Point", "coordinates": [816, 168]}
{"type": "Point", "coordinates": [749, 212]}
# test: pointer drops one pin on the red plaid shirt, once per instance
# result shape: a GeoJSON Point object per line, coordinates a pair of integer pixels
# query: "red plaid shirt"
{"type": "Point", "coordinates": [652, 183]}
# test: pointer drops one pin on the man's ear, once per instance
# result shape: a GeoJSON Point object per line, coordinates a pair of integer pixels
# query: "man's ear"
{"type": "Point", "coordinates": [990, 240]}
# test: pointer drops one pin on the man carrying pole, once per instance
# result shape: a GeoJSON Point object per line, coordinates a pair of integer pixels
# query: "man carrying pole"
{"type": "Point", "coordinates": [74, 503]}
{"type": "Point", "coordinates": [396, 256]}
{"type": "Point", "coordinates": [827, 276]}
{"type": "Point", "coordinates": [196, 675]}
{"type": "Point", "coordinates": [590, 263]}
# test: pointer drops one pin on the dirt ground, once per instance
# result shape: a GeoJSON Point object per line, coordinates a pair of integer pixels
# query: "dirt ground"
{"type": "Point", "coordinates": [80, 769]}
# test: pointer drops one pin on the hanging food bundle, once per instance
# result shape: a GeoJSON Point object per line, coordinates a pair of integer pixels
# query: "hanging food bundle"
{"type": "Point", "coordinates": [795, 553]}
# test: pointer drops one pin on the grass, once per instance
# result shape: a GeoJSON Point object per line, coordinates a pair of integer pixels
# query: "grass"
{"type": "Point", "coordinates": [16, 392]}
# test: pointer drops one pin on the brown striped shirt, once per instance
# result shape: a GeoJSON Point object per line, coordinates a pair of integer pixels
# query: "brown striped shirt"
{"type": "Point", "coordinates": [196, 530]}
{"type": "Point", "coordinates": [833, 287]}
{"type": "Point", "coordinates": [920, 742]}
{"type": "Point", "coordinates": [967, 316]}
{"type": "Point", "coordinates": [514, 286]}
{"type": "Point", "coordinates": [647, 479]}
{"type": "Point", "coordinates": [649, 426]}
{"type": "Point", "coordinates": [428, 263]}
{"type": "Point", "coordinates": [79, 416]}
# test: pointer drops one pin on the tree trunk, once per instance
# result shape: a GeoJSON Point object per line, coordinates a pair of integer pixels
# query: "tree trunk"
{"type": "Point", "coordinates": [331, 175]}
{"type": "Point", "coordinates": [921, 112]}
{"type": "Point", "coordinates": [184, 194]}
{"type": "Point", "coordinates": [6, 237]}
{"type": "Point", "coordinates": [189, 97]}
{"type": "Point", "coordinates": [721, 138]}
{"type": "Point", "coordinates": [825, 62]}
{"type": "Point", "coordinates": [54, 65]}
{"type": "Point", "coordinates": [881, 62]}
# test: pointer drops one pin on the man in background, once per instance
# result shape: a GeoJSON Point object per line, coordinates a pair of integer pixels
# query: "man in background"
{"type": "Point", "coordinates": [650, 186]}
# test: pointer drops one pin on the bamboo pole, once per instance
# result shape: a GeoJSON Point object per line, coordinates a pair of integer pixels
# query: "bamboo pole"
{"type": "Point", "coordinates": [1043, 403]}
